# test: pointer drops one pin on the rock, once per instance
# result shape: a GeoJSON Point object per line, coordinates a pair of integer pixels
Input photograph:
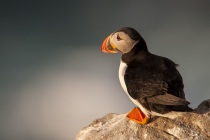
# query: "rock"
{"type": "Point", "coordinates": [185, 126]}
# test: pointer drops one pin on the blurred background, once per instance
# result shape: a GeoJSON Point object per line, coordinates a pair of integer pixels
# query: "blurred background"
{"type": "Point", "coordinates": [53, 78]}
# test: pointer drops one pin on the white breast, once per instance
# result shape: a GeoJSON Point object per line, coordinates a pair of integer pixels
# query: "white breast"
{"type": "Point", "coordinates": [122, 69]}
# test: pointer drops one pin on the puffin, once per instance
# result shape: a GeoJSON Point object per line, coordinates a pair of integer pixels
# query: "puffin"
{"type": "Point", "coordinates": [152, 82]}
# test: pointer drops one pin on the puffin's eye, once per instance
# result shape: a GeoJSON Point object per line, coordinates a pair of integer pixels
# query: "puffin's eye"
{"type": "Point", "coordinates": [118, 37]}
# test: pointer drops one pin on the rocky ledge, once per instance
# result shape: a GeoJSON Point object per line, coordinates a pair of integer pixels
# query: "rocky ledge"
{"type": "Point", "coordinates": [188, 126]}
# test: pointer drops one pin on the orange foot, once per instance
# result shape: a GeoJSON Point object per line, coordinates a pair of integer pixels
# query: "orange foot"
{"type": "Point", "coordinates": [138, 116]}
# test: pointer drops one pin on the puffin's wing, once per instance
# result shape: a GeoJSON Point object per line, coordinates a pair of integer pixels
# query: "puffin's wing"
{"type": "Point", "coordinates": [139, 88]}
{"type": "Point", "coordinates": [154, 92]}
{"type": "Point", "coordinates": [167, 99]}
{"type": "Point", "coordinates": [160, 85]}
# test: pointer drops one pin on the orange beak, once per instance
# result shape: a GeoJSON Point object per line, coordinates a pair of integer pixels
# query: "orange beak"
{"type": "Point", "coordinates": [108, 47]}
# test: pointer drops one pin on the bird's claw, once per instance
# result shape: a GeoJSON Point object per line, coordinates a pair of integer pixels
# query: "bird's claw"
{"type": "Point", "coordinates": [138, 116]}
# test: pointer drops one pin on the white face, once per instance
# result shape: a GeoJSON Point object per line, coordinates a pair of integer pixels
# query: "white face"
{"type": "Point", "coordinates": [122, 42]}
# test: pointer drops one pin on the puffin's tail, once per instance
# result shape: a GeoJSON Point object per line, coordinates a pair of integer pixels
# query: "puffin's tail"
{"type": "Point", "coordinates": [184, 108]}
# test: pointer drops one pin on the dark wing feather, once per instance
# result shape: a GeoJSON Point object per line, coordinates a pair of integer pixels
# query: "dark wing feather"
{"type": "Point", "coordinates": [167, 99]}
{"type": "Point", "coordinates": [156, 80]}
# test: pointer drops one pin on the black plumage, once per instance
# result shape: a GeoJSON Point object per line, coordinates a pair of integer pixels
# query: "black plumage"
{"type": "Point", "coordinates": [152, 80]}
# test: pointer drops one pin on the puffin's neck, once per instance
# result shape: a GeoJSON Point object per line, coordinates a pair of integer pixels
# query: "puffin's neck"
{"type": "Point", "coordinates": [139, 51]}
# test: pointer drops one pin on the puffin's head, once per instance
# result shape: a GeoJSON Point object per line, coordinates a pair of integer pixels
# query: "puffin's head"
{"type": "Point", "coordinates": [122, 40]}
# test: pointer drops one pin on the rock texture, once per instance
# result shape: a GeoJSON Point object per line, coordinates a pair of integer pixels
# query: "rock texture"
{"type": "Point", "coordinates": [185, 126]}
